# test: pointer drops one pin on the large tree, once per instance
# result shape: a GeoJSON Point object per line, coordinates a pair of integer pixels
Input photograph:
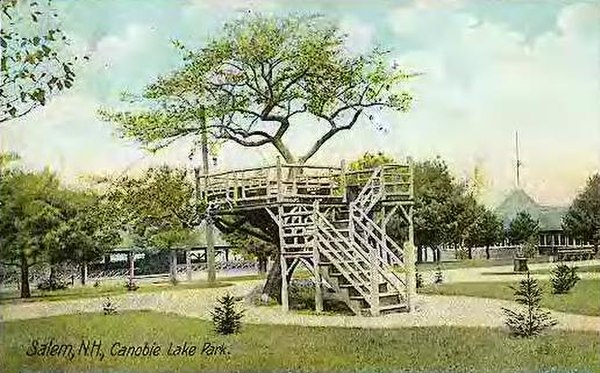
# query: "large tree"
{"type": "Point", "coordinates": [259, 80]}
{"type": "Point", "coordinates": [33, 65]}
{"type": "Point", "coordinates": [28, 220]}
{"type": "Point", "coordinates": [486, 231]}
{"type": "Point", "coordinates": [522, 228]}
{"type": "Point", "coordinates": [582, 221]}
{"type": "Point", "coordinates": [157, 209]}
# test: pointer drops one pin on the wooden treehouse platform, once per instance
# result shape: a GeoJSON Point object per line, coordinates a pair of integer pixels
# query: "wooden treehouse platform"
{"type": "Point", "coordinates": [333, 221]}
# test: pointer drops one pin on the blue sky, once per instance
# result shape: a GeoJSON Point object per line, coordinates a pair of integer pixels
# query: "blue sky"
{"type": "Point", "coordinates": [490, 68]}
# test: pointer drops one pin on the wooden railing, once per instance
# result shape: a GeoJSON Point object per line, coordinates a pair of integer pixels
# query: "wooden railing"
{"type": "Point", "coordinates": [282, 181]}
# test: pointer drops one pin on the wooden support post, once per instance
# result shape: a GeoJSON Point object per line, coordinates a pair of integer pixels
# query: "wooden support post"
{"type": "Point", "coordinates": [236, 185]}
{"type": "Point", "coordinates": [316, 261]}
{"type": "Point", "coordinates": [173, 264]}
{"type": "Point", "coordinates": [131, 259]}
{"type": "Point", "coordinates": [188, 264]}
{"type": "Point", "coordinates": [409, 251]}
{"type": "Point", "coordinates": [210, 242]}
{"type": "Point", "coordinates": [285, 304]}
{"type": "Point", "coordinates": [373, 258]}
{"type": "Point", "coordinates": [343, 181]}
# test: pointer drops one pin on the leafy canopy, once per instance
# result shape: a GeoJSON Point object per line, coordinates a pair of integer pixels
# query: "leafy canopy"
{"type": "Point", "coordinates": [522, 227]}
{"type": "Point", "coordinates": [261, 77]}
{"type": "Point", "coordinates": [582, 221]}
{"type": "Point", "coordinates": [32, 65]}
{"type": "Point", "coordinates": [158, 208]}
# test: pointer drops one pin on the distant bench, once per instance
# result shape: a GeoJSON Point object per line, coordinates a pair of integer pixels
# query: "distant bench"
{"type": "Point", "coordinates": [573, 254]}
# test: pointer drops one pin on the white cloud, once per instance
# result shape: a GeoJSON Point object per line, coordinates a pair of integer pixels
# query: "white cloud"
{"type": "Point", "coordinates": [483, 82]}
{"type": "Point", "coordinates": [360, 34]}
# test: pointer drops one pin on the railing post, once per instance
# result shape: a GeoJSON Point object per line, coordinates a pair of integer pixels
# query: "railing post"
{"type": "Point", "coordinates": [282, 259]}
{"type": "Point", "coordinates": [316, 261]}
{"type": "Point", "coordinates": [235, 187]}
{"type": "Point", "coordinates": [343, 181]}
{"type": "Point", "coordinates": [279, 185]}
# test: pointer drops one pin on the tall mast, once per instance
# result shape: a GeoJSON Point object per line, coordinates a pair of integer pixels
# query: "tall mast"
{"type": "Point", "coordinates": [518, 163]}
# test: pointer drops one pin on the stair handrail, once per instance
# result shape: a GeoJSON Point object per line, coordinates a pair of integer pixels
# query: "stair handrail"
{"type": "Point", "coordinates": [369, 185]}
{"type": "Point", "coordinates": [382, 268]}
{"type": "Point", "coordinates": [338, 261]}
{"type": "Point", "coordinates": [388, 239]}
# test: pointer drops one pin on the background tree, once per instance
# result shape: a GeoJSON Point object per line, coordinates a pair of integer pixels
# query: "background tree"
{"type": "Point", "coordinates": [28, 220]}
{"type": "Point", "coordinates": [89, 228]}
{"type": "Point", "coordinates": [486, 232]}
{"type": "Point", "coordinates": [521, 228]}
{"type": "Point", "coordinates": [582, 220]}
{"type": "Point", "coordinates": [260, 79]}
{"type": "Point", "coordinates": [157, 209]}
{"type": "Point", "coordinates": [33, 65]}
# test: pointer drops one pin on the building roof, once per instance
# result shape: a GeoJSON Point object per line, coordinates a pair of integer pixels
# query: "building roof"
{"type": "Point", "coordinates": [549, 217]}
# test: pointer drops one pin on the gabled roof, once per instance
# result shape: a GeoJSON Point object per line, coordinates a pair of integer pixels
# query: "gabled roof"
{"type": "Point", "coordinates": [549, 217]}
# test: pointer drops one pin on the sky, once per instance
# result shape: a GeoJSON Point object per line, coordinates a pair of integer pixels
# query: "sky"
{"type": "Point", "coordinates": [489, 68]}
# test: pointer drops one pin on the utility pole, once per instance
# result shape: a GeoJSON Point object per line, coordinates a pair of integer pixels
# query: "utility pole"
{"type": "Point", "coordinates": [209, 224]}
{"type": "Point", "coordinates": [518, 164]}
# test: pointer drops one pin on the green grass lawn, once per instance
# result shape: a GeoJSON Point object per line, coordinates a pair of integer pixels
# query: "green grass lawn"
{"type": "Point", "coordinates": [547, 271]}
{"type": "Point", "coordinates": [583, 299]}
{"type": "Point", "coordinates": [113, 289]}
{"type": "Point", "coordinates": [264, 348]}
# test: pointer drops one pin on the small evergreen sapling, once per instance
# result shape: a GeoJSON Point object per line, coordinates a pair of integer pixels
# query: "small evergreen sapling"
{"type": "Point", "coordinates": [109, 307]}
{"type": "Point", "coordinates": [533, 321]}
{"type": "Point", "coordinates": [226, 319]}
{"type": "Point", "coordinates": [439, 276]}
{"type": "Point", "coordinates": [418, 280]}
{"type": "Point", "coordinates": [563, 278]}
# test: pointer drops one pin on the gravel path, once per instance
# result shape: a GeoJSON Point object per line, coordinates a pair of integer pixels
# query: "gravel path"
{"type": "Point", "coordinates": [431, 310]}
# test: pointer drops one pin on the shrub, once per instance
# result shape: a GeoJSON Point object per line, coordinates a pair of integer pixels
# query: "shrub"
{"type": "Point", "coordinates": [131, 286]}
{"type": "Point", "coordinates": [439, 276]}
{"type": "Point", "coordinates": [418, 280]}
{"type": "Point", "coordinates": [563, 278]}
{"type": "Point", "coordinates": [530, 247]}
{"type": "Point", "coordinates": [52, 284]}
{"type": "Point", "coordinates": [533, 321]}
{"type": "Point", "coordinates": [96, 284]}
{"type": "Point", "coordinates": [109, 307]}
{"type": "Point", "coordinates": [226, 319]}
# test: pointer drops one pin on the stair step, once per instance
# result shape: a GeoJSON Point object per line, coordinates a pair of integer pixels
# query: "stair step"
{"type": "Point", "coordinates": [297, 213]}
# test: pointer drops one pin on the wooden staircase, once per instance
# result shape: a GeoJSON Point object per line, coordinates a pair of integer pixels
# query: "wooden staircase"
{"type": "Point", "coordinates": [347, 250]}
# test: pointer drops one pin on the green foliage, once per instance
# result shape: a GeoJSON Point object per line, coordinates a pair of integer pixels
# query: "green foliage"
{"type": "Point", "coordinates": [439, 276]}
{"type": "Point", "coordinates": [418, 280]}
{"type": "Point", "coordinates": [131, 286]}
{"type": "Point", "coordinates": [52, 284]}
{"type": "Point", "coordinates": [263, 71]}
{"type": "Point", "coordinates": [533, 321]}
{"type": "Point", "coordinates": [368, 160]}
{"type": "Point", "coordinates": [582, 220]}
{"type": "Point", "coordinates": [486, 231]}
{"type": "Point", "coordinates": [522, 227]}
{"type": "Point", "coordinates": [226, 319]}
{"type": "Point", "coordinates": [33, 65]}
{"type": "Point", "coordinates": [563, 278]}
{"type": "Point", "coordinates": [109, 307]}
{"type": "Point", "coordinates": [158, 209]}
{"type": "Point", "coordinates": [530, 248]}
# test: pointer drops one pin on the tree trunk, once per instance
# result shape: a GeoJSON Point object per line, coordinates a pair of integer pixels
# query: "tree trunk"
{"type": "Point", "coordinates": [262, 265]}
{"type": "Point", "coordinates": [487, 252]}
{"type": "Point", "coordinates": [419, 254]}
{"type": "Point", "coordinates": [84, 273]}
{"type": "Point", "coordinates": [272, 286]}
{"type": "Point", "coordinates": [438, 254]}
{"type": "Point", "coordinates": [52, 276]}
{"type": "Point", "coordinates": [470, 252]}
{"type": "Point", "coordinates": [25, 291]}
{"type": "Point", "coordinates": [173, 266]}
